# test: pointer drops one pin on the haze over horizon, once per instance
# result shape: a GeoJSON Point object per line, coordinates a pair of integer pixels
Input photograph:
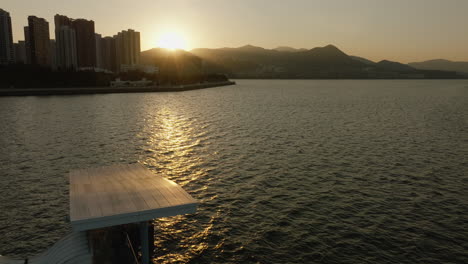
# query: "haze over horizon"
{"type": "Point", "coordinates": [405, 31]}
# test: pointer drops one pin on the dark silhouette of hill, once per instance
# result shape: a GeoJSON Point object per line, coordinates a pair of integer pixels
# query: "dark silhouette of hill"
{"type": "Point", "coordinates": [322, 62]}
{"type": "Point", "coordinates": [443, 65]}
{"type": "Point", "coordinates": [178, 67]}
{"type": "Point", "coordinates": [250, 48]}
{"type": "Point", "coordinates": [394, 66]}
{"type": "Point", "coordinates": [163, 57]}
{"type": "Point", "coordinates": [328, 56]}
{"type": "Point", "coordinates": [250, 61]}
{"type": "Point", "coordinates": [363, 60]}
{"type": "Point", "coordinates": [288, 49]}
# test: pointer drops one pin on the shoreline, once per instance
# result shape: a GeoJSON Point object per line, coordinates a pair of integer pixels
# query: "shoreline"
{"type": "Point", "coordinates": [107, 90]}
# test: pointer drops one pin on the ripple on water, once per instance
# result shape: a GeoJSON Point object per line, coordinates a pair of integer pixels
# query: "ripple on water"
{"type": "Point", "coordinates": [285, 171]}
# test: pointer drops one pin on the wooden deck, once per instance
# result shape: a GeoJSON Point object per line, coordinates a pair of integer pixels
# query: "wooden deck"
{"type": "Point", "coordinates": [123, 194]}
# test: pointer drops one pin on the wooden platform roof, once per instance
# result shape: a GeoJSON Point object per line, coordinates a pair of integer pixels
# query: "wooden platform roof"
{"type": "Point", "coordinates": [123, 194]}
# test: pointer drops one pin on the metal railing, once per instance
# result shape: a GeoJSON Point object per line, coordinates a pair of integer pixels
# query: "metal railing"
{"type": "Point", "coordinates": [130, 245]}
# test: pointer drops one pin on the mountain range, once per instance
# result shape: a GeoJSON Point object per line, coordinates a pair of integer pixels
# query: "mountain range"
{"type": "Point", "coordinates": [286, 62]}
{"type": "Point", "coordinates": [288, 49]}
{"type": "Point", "coordinates": [440, 64]}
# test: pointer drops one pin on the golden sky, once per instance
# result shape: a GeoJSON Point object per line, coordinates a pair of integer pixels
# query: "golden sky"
{"type": "Point", "coordinates": [399, 30]}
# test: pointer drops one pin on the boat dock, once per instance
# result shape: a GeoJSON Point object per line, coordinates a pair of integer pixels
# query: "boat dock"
{"type": "Point", "coordinates": [114, 203]}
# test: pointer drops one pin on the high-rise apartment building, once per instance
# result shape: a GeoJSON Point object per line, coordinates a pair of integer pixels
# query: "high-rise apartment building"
{"type": "Point", "coordinates": [98, 40]}
{"type": "Point", "coordinates": [76, 43]}
{"type": "Point", "coordinates": [65, 43]}
{"type": "Point", "coordinates": [27, 45]}
{"type": "Point", "coordinates": [20, 52]}
{"type": "Point", "coordinates": [108, 53]}
{"type": "Point", "coordinates": [37, 41]}
{"type": "Point", "coordinates": [52, 54]}
{"type": "Point", "coordinates": [85, 43]}
{"type": "Point", "coordinates": [7, 53]}
{"type": "Point", "coordinates": [127, 44]}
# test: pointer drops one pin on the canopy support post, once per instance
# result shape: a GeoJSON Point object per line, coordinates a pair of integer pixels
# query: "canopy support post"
{"type": "Point", "coordinates": [144, 242]}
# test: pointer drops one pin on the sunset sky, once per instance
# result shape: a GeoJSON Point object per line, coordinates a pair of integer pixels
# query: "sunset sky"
{"type": "Point", "coordinates": [400, 30]}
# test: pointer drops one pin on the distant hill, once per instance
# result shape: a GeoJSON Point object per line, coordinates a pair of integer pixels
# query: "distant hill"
{"type": "Point", "coordinates": [185, 62]}
{"type": "Point", "coordinates": [174, 66]}
{"type": "Point", "coordinates": [394, 66]}
{"type": "Point", "coordinates": [363, 60]}
{"type": "Point", "coordinates": [250, 61]}
{"type": "Point", "coordinates": [386, 65]}
{"type": "Point", "coordinates": [159, 56]}
{"type": "Point", "coordinates": [444, 65]}
{"type": "Point", "coordinates": [329, 55]}
{"type": "Point", "coordinates": [288, 49]}
{"type": "Point", "coordinates": [249, 48]}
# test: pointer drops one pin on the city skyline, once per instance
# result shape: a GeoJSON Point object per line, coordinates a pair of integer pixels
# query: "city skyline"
{"type": "Point", "coordinates": [397, 30]}
{"type": "Point", "coordinates": [77, 46]}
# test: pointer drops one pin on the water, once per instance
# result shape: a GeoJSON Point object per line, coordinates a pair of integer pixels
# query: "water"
{"type": "Point", "coordinates": [286, 171]}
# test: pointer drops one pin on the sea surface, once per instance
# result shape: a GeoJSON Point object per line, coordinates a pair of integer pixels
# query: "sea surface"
{"type": "Point", "coordinates": [299, 171]}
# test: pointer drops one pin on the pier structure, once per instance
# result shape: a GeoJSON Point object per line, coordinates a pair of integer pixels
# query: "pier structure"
{"type": "Point", "coordinates": [110, 208]}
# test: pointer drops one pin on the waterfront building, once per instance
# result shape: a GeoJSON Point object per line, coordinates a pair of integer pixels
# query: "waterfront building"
{"type": "Point", "coordinates": [7, 52]}
{"type": "Point", "coordinates": [76, 43]}
{"type": "Point", "coordinates": [127, 44]}
{"type": "Point", "coordinates": [85, 43]}
{"type": "Point", "coordinates": [150, 69]}
{"type": "Point", "coordinates": [108, 53]}
{"type": "Point", "coordinates": [37, 41]}
{"type": "Point", "coordinates": [27, 45]}
{"type": "Point", "coordinates": [65, 36]}
{"type": "Point", "coordinates": [66, 48]}
{"type": "Point", "coordinates": [52, 54]}
{"type": "Point", "coordinates": [141, 83]}
{"type": "Point", "coordinates": [98, 41]}
{"type": "Point", "coordinates": [20, 52]}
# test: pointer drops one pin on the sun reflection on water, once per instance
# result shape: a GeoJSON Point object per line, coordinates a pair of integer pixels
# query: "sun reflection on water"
{"type": "Point", "coordinates": [170, 146]}
{"type": "Point", "coordinates": [174, 230]}
{"type": "Point", "coordinates": [171, 135]}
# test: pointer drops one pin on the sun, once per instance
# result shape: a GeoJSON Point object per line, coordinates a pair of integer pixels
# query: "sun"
{"type": "Point", "coordinates": [172, 40]}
